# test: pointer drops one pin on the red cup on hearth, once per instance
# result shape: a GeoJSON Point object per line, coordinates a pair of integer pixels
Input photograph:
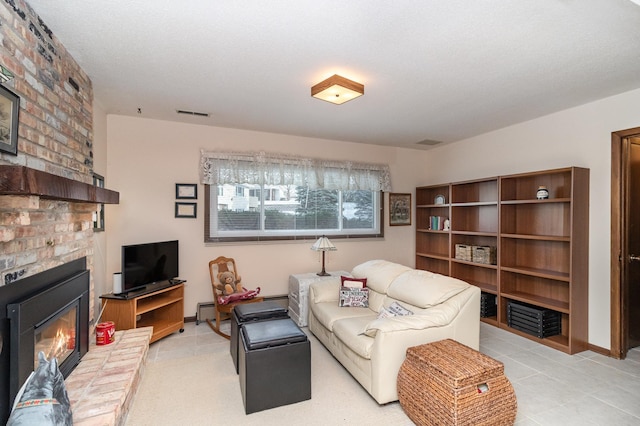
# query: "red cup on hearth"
{"type": "Point", "coordinates": [105, 333]}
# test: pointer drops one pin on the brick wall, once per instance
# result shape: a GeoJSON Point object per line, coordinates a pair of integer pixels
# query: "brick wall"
{"type": "Point", "coordinates": [55, 135]}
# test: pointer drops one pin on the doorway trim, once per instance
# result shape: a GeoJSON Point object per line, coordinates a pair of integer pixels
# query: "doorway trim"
{"type": "Point", "coordinates": [619, 151]}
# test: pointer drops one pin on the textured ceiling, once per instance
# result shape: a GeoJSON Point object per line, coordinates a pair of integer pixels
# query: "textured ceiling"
{"type": "Point", "coordinates": [432, 69]}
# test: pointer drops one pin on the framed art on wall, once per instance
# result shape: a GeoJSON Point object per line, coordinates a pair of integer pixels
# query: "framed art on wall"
{"type": "Point", "coordinates": [186, 191]}
{"type": "Point", "coordinates": [9, 107]}
{"type": "Point", "coordinates": [187, 210]}
{"type": "Point", "coordinates": [399, 209]}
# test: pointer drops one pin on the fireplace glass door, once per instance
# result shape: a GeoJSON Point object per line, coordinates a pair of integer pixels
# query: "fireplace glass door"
{"type": "Point", "coordinates": [56, 337]}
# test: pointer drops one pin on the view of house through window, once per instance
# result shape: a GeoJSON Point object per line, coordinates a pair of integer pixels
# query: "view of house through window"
{"type": "Point", "coordinates": [245, 210]}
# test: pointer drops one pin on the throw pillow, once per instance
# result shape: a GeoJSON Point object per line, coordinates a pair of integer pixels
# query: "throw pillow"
{"type": "Point", "coordinates": [398, 310]}
{"type": "Point", "coordinates": [43, 398]}
{"type": "Point", "coordinates": [385, 313]}
{"type": "Point", "coordinates": [354, 297]}
{"type": "Point", "coordinates": [353, 282]}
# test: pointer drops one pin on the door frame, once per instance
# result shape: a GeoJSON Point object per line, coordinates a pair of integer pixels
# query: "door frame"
{"type": "Point", "coordinates": [619, 191]}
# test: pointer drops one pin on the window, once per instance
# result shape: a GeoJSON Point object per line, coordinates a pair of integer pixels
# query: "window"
{"type": "Point", "coordinates": [275, 197]}
{"type": "Point", "coordinates": [304, 212]}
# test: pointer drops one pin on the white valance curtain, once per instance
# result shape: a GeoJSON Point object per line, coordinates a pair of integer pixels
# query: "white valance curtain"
{"type": "Point", "coordinates": [219, 168]}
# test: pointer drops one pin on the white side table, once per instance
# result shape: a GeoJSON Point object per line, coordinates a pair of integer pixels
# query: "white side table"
{"type": "Point", "coordinates": [299, 291]}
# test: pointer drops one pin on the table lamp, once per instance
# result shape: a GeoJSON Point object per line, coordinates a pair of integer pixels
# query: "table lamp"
{"type": "Point", "coordinates": [324, 245]}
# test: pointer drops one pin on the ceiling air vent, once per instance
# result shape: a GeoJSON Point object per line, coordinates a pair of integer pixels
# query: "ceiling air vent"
{"type": "Point", "coordinates": [429, 142]}
{"type": "Point", "coordinates": [194, 113]}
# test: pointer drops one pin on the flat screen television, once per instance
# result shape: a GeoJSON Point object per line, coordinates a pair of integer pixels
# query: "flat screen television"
{"type": "Point", "coordinates": [148, 264]}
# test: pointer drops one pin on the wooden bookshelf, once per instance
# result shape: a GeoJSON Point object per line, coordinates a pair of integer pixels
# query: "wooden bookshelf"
{"type": "Point", "coordinates": [542, 245]}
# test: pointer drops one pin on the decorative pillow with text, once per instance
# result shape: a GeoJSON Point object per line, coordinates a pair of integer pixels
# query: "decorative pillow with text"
{"type": "Point", "coordinates": [354, 297]}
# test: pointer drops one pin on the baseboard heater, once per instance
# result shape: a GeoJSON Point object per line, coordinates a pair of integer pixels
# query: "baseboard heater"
{"type": "Point", "coordinates": [206, 310]}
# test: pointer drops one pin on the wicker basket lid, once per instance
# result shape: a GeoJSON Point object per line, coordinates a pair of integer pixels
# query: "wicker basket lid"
{"type": "Point", "coordinates": [455, 364]}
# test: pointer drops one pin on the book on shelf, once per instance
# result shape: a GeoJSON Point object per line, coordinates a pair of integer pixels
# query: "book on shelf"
{"type": "Point", "coordinates": [436, 223]}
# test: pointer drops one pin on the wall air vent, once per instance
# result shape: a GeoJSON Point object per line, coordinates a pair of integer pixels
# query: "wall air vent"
{"type": "Point", "coordinates": [194, 113]}
{"type": "Point", "coordinates": [428, 142]}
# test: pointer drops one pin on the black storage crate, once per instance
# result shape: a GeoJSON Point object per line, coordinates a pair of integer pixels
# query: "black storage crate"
{"type": "Point", "coordinates": [488, 305]}
{"type": "Point", "coordinates": [539, 322]}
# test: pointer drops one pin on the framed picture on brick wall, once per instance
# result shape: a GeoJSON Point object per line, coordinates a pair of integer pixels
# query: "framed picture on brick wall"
{"type": "Point", "coordinates": [9, 107]}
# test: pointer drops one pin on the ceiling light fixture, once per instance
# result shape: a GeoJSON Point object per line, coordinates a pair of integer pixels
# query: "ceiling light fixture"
{"type": "Point", "coordinates": [337, 90]}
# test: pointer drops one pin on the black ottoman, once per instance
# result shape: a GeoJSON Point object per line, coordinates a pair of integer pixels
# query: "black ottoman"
{"type": "Point", "coordinates": [241, 314]}
{"type": "Point", "coordinates": [275, 364]}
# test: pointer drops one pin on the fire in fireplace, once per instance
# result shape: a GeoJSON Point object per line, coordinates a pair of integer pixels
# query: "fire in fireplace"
{"type": "Point", "coordinates": [46, 312]}
{"type": "Point", "coordinates": [56, 338]}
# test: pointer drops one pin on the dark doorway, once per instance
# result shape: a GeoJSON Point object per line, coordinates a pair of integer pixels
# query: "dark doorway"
{"type": "Point", "coordinates": [631, 283]}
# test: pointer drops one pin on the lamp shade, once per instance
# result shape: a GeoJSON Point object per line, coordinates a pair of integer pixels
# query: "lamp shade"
{"type": "Point", "coordinates": [323, 244]}
{"type": "Point", "coordinates": [337, 90]}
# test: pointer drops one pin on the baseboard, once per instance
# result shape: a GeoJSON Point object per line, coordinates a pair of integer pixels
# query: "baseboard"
{"type": "Point", "coordinates": [600, 350]}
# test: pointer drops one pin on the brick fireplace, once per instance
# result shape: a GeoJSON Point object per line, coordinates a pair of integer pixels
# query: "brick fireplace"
{"type": "Point", "coordinates": [47, 196]}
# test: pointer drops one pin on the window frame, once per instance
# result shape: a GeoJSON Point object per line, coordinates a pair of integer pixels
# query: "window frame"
{"type": "Point", "coordinates": [211, 215]}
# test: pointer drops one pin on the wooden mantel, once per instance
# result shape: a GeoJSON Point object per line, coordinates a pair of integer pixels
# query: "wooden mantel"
{"type": "Point", "coordinates": [21, 180]}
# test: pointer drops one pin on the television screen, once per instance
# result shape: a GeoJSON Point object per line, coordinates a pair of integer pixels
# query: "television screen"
{"type": "Point", "coordinates": [144, 264]}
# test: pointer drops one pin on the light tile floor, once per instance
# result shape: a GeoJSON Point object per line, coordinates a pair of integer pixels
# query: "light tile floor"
{"type": "Point", "coordinates": [552, 388]}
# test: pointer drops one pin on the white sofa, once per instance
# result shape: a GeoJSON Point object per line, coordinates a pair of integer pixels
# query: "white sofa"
{"type": "Point", "coordinates": [373, 349]}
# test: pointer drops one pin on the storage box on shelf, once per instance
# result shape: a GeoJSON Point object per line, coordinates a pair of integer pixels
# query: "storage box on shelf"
{"type": "Point", "coordinates": [464, 252]}
{"type": "Point", "coordinates": [488, 305]}
{"type": "Point", "coordinates": [484, 254]}
{"type": "Point", "coordinates": [540, 246]}
{"type": "Point", "coordinates": [536, 321]}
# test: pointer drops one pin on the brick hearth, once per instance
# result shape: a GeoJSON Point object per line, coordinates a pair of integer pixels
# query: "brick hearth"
{"type": "Point", "coordinates": [103, 385]}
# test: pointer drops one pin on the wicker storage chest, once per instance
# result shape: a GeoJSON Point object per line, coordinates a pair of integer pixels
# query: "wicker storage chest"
{"type": "Point", "coordinates": [447, 383]}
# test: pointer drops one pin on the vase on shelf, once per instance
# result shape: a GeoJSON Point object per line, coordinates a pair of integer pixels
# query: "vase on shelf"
{"type": "Point", "coordinates": [542, 193]}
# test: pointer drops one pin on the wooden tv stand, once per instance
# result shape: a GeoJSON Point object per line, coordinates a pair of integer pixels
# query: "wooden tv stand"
{"type": "Point", "coordinates": [161, 309]}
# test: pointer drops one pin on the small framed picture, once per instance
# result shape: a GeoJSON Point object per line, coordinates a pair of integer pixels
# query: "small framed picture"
{"type": "Point", "coordinates": [399, 209]}
{"type": "Point", "coordinates": [186, 210]}
{"type": "Point", "coordinates": [9, 107]}
{"type": "Point", "coordinates": [186, 191]}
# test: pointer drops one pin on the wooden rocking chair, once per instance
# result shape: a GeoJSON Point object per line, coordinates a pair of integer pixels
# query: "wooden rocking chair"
{"type": "Point", "coordinates": [223, 312]}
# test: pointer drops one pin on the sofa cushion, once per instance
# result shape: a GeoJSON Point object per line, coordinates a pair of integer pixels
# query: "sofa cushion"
{"type": "Point", "coordinates": [327, 313]}
{"type": "Point", "coordinates": [379, 273]}
{"type": "Point", "coordinates": [437, 316]}
{"type": "Point", "coordinates": [350, 331]}
{"type": "Point", "coordinates": [424, 289]}
{"type": "Point", "coordinates": [325, 290]}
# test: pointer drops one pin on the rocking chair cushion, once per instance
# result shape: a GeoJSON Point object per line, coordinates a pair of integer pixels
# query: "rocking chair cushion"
{"type": "Point", "coordinates": [245, 295]}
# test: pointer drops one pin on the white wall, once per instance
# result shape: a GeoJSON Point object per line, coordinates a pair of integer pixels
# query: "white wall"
{"type": "Point", "coordinates": [576, 137]}
{"type": "Point", "coordinates": [148, 157]}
